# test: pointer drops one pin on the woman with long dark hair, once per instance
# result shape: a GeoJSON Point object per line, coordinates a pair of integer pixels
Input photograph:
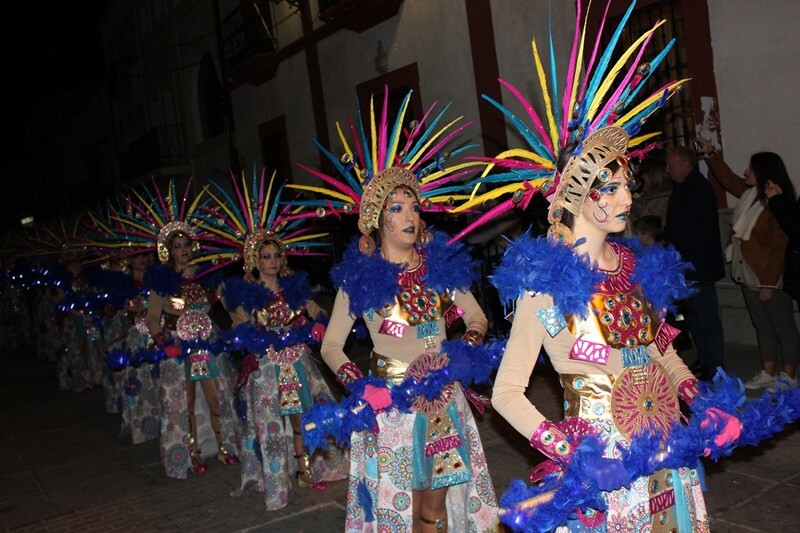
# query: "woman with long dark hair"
{"type": "Point", "coordinates": [757, 252]}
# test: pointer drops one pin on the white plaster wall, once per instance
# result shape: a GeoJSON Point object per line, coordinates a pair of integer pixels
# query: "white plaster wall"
{"type": "Point", "coordinates": [516, 24]}
{"type": "Point", "coordinates": [348, 59]}
{"type": "Point", "coordinates": [287, 94]}
{"type": "Point", "coordinates": [756, 49]}
{"type": "Point", "coordinates": [432, 34]}
{"type": "Point", "coordinates": [757, 70]}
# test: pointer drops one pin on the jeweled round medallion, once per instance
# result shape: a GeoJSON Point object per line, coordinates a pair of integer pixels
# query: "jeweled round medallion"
{"type": "Point", "coordinates": [643, 398]}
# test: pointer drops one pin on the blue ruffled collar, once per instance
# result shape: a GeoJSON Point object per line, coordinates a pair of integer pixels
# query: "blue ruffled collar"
{"type": "Point", "coordinates": [251, 296]}
{"type": "Point", "coordinates": [536, 264]}
{"type": "Point", "coordinates": [371, 281]}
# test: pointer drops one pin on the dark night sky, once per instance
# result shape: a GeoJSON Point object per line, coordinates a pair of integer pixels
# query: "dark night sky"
{"type": "Point", "coordinates": [49, 46]}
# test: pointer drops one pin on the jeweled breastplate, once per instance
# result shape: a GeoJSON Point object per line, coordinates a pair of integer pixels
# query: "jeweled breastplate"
{"type": "Point", "coordinates": [420, 306]}
{"type": "Point", "coordinates": [278, 313]}
{"type": "Point", "coordinates": [621, 316]}
{"type": "Point", "coordinates": [193, 322]}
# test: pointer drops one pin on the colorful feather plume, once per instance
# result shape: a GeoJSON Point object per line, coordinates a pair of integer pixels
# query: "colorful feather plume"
{"type": "Point", "coordinates": [228, 219]}
{"type": "Point", "coordinates": [595, 97]}
{"type": "Point", "coordinates": [418, 146]}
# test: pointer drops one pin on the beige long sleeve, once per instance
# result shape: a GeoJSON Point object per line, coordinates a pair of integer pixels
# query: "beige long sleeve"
{"type": "Point", "coordinates": [407, 348]}
{"type": "Point", "coordinates": [527, 337]}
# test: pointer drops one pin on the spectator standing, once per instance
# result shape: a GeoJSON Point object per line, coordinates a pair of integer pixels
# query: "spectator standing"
{"type": "Point", "coordinates": [692, 226]}
{"type": "Point", "coordinates": [786, 209]}
{"type": "Point", "coordinates": [756, 252]}
{"type": "Point", "coordinates": [655, 191]}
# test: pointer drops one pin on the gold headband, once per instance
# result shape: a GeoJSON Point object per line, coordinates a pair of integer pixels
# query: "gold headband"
{"type": "Point", "coordinates": [597, 151]}
{"type": "Point", "coordinates": [253, 243]}
{"type": "Point", "coordinates": [166, 232]}
{"type": "Point", "coordinates": [377, 190]}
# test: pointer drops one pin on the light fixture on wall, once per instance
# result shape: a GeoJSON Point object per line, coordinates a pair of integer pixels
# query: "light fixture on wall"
{"type": "Point", "coordinates": [381, 59]}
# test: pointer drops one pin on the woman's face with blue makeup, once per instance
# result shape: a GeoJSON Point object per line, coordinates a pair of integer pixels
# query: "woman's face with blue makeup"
{"type": "Point", "coordinates": [181, 251]}
{"type": "Point", "coordinates": [607, 206]}
{"type": "Point", "coordinates": [400, 221]}
{"type": "Point", "coordinates": [270, 260]}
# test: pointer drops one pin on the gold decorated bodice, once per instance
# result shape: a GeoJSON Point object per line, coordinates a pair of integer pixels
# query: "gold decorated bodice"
{"type": "Point", "coordinates": [621, 316]}
{"type": "Point", "coordinates": [278, 314]}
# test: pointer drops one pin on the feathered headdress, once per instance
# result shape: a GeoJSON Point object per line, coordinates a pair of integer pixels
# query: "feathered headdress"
{"type": "Point", "coordinates": [149, 219]}
{"type": "Point", "coordinates": [57, 239]}
{"type": "Point", "coordinates": [593, 113]}
{"type": "Point", "coordinates": [239, 227]}
{"type": "Point", "coordinates": [376, 161]}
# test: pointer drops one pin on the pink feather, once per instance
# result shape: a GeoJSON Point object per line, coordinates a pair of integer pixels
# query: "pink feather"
{"type": "Point", "coordinates": [494, 212]}
{"type": "Point", "coordinates": [570, 75]}
{"type": "Point", "coordinates": [537, 123]}
{"type": "Point", "coordinates": [382, 163]}
{"type": "Point", "coordinates": [586, 77]}
{"type": "Point", "coordinates": [336, 184]}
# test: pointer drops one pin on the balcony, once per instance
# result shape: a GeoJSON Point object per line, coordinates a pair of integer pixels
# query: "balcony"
{"type": "Point", "coordinates": [248, 43]}
{"type": "Point", "coordinates": [357, 15]}
{"type": "Point", "coordinates": [159, 148]}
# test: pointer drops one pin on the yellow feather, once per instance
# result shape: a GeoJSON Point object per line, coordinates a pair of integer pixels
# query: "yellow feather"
{"type": "Point", "coordinates": [321, 190]}
{"type": "Point", "coordinates": [305, 238]}
{"type": "Point", "coordinates": [445, 198]}
{"type": "Point", "coordinates": [612, 74]}
{"type": "Point", "coordinates": [496, 193]}
{"type": "Point", "coordinates": [432, 140]}
{"type": "Point", "coordinates": [450, 170]}
{"type": "Point", "coordinates": [265, 207]}
{"type": "Point", "coordinates": [652, 98]}
{"type": "Point", "coordinates": [551, 121]}
{"type": "Point", "coordinates": [347, 149]}
{"type": "Point", "coordinates": [578, 63]}
{"type": "Point", "coordinates": [196, 201]}
{"type": "Point", "coordinates": [144, 228]}
{"type": "Point", "coordinates": [247, 203]}
{"type": "Point", "coordinates": [149, 208]}
{"type": "Point", "coordinates": [227, 211]}
{"type": "Point", "coordinates": [216, 231]}
{"type": "Point", "coordinates": [374, 135]}
{"type": "Point", "coordinates": [642, 138]}
{"type": "Point", "coordinates": [394, 142]}
{"type": "Point", "coordinates": [98, 222]}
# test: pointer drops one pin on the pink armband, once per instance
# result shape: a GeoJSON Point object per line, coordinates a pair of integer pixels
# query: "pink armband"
{"type": "Point", "coordinates": [348, 373]}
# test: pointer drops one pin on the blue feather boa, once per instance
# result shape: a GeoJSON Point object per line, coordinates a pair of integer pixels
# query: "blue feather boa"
{"type": "Point", "coordinates": [467, 364]}
{"type": "Point", "coordinates": [119, 286]}
{"type": "Point", "coordinates": [536, 264]}
{"type": "Point", "coordinates": [251, 296]}
{"type": "Point", "coordinates": [371, 282]}
{"type": "Point", "coordinates": [254, 338]}
{"type": "Point", "coordinates": [573, 489]}
{"type": "Point", "coordinates": [165, 281]}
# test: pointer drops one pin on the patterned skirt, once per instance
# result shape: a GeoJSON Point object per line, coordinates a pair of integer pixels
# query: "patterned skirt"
{"type": "Point", "coordinates": [267, 454]}
{"type": "Point", "coordinates": [384, 464]}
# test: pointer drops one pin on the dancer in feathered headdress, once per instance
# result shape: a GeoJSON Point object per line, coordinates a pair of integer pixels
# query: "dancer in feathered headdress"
{"type": "Point", "coordinates": [130, 385]}
{"type": "Point", "coordinates": [179, 301]}
{"type": "Point", "coordinates": [620, 458]}
{"type": "Point", "coordinates": [79, 307]}
{"type": "Point", "coordinates": [275, 320]}
{"type": "Point", "coordinates": [594, 121]}
{"type": "Point", "coordinates": [408, 285]}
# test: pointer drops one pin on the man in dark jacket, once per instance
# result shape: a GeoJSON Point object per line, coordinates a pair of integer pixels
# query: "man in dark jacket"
{"type": "Point", "coordinates": [692, 226]}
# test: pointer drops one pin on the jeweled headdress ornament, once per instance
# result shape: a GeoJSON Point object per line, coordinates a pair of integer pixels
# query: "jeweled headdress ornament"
{"type": "Point", "coordinates": [372, 167]}
{"type": "Point", "coordinates": [239, 227]}
{"type": "Point", "coordinates": [148, 221]}
{"type": "Point", "coordinates": [592, 114]}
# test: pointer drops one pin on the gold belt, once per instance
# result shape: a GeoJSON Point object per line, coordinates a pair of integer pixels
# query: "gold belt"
{"type": "Point", "coordinates": [587, 396]}
{"type": "Point", "coordinates": [387, 368]}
